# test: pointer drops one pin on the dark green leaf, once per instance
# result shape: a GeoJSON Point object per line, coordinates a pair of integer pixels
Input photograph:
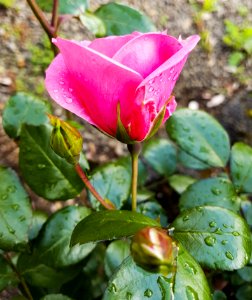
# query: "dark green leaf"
{"type": "Point", "coordinates": [48, 175]}
{"type": "Point", "coordinates": [93, 24]}
{"type": "Point", "coordinates": [71, 7]}
{"type": "Point", "coordinates": [161, 155]}
{"type": "Point", "coordinates": [23, 109]}
{"type": "Point", "coordinates": [246, 207]}
{"type": "Point", "coordinates": [241, 167]}
{"type": "Point", "coordinates": [38, 219]}
{"type": "Point", "coordinates": [109, 225]}
{"type": "Point", "coordinates": [246, 273]}
{"type": "Point", "coordinates": [180, 182]}
{"type": "Point", "coordinates": [113, 182]}
{"type": "Point", "coordinates": [7, 276]}
{"type": "Point", "coordinates": [55, 297]}
{"type": "Point", "coordinates": [15, 212]}
{"type": "Point", "coordinates": [120, 19]}
{"type": "Point", "coordinates": [212, 191]}
{"type": "Point", "coordinates": [116, 252]}
{"type": "Point", "coordinates": [153, 210]}
{"type": "Point", "coordinates": [190, 281]}
{"type": "Point", "coordinates": [244, 292]}
{"type": "Point", "coordinates": [200, 135]}
{"type": "Point", "coordinates": [219, 295]}
{"type": "Point", "coordinates": [191, 162]}
{"type": "Point", "coordinates": [214, 236]}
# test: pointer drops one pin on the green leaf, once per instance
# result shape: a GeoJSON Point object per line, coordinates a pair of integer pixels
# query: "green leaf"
{"type": "Point", "coordinates": [190, 281]}
{"type": "Point", "coordinates": [48, 175]}
{"type": "Point", "coordinates": [38, 219]}
{"type": "Point", "coordinates": [52, 246]}
{"type": "Point", "coordinates": [116, 252]}
{"type": "Point", "coordinates": [23, 109]}
{"type": "Point", "coordinates": [132, 282]}
{"type": "Point", "coordinates": [219, 295]}
{"type": "Point", "coordinates": [235, 58]}
{"type": "Point", "coordinates": [110, 225]}
{"type": "Point", "coordinates": [153, 210]}
{"type": "Point", "coordinates": [190, 162]}
{"type": "Point", "coordinates": [241, 167]}
{"type": "Point", "coordinates": [246, 273]}
{"type": "Point", "coordinates": [212, 191]}
{"type": "Point", "coordinates": [200, 135]}
{"type": "Point", "coordinates": [93, 24]}
{"type": "Point", "coordinates": [214, 236]}
{"type": "Point", "coordinates": [180, 182]}
{"type": "Point", "coordinates": [7, 275]}
{"type": "Point", "coordinates": [161, 155]}
{"type": "Point", "coordinates": [55, 297]}
{"type": "Point", "coordinates": [113, 182]}
{"type": "Point", "coordinates": [69, 7]}
{"type": "Point", "coordinates": [244, 292]}
{"type": "Point", "coordinates": [15, 212]}
{"type": "Point", "coordinates": [120, 19]}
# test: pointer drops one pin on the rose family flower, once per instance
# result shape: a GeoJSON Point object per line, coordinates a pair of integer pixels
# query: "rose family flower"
{"type": "Point", "coordinates": [120, 84]}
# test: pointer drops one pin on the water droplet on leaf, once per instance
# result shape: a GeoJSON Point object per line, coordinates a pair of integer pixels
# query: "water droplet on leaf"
{"type": "Point", "coordinates": [191, 293]}
{"type": "Point", "coordinates": [128, 296]}
{"type": "Point", "coordinates": [216, 191]}
{"type": "Point", "coordinates": [224, 242]}
{"type": "Point", "coordinates": [148, 293]}
{"type": "Point", "coordinates": [4, 196]}
{"type": "Point", "coordinates": [235, 233]}
{"type": "Point", "coordinates": [210, 241]}
{"type": "Point", "coordinates": [212, 224]}
{"type": "Point", "coordinates": [186, 218]}
{"type": "Point", "coordinates": [229, 255]}
{"type": "Point", "coordinates": [11, 189]}
{"type": "Point", "coordinates": [41, 166]}
{"type": "Point", "coordinates": [218, 231]}
{"type": "Point", "coordinates": [11, 230]}
{"type": "Point", "coordinates": [189, 268]}
{"type": "Point", "coordinates": [15, 206]}
{"type": "Point", "coordinates": [112, 288]}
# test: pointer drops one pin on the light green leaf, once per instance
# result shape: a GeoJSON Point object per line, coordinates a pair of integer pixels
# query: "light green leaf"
{"type": "Point", "coordinates": [7, 275]}
{"type": "Point", "coordinates": [214, 236]}
{"type": "Point", "coordinates": [70, 7]}
{"type": "Point", "coordinates": [180, 182]}
{"type": "Point", "coordinates": [15, 212]}
{"type": "Point", "coordinates": [93, 24]}
{"type": "Point", "coordinates": [200, 135]}
{"type": "Point", "coordinates": [110, 225]}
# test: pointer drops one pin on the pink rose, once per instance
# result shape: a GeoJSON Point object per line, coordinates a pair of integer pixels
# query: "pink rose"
{"type": "Point", "coordinates": [120, 84]}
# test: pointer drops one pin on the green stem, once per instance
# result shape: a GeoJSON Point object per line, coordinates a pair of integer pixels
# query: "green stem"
{"type": "Point", "coordinates": [21, 279]}
{"type": "Point", "coordinates": [134, 150]}
{"type": "Point", "coordinates": [83, 176]}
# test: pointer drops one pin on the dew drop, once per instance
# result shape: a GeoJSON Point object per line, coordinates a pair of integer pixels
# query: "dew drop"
{"type": "Point", "coordinates": [191, 294]}
{"type": "Point", "coordinates": [22, 218]}
{"type": "Point", "coordinates": [151, 89]}
{"type": "Point", "coordinates": [62, 82]}
{"type": "Point", "coordinates": [151, 81]}
{"type": "Point", "coordinates": [70, 90]}
{"type": "Point", "coordinates": [189, 268]}
{"type": "Point", "coordinates": [210, 241]}
{"type": "Point", "coordinates": [216, 191]}
{"type": "Point", "coordinates": [112, 288]}
{"type": "Point", "coordinates": [235, 233]}
{"type": "Point", "coordinates": [203, 149]}
{"type": "Point", "coordinates": [191, 138]}
{"type": "Point", "coordinates": [55, 91]}
{"type": "Point", "coordinates": [212, 224]}
{"type": "Point", "coordinates": [225, 225]}
{"type": "Point", "coordinates": [4, 197]}
{"type": "Point", "coordinates": [41, 166]}
{"type": "Point", "coordinates": [186, 129]}
{"type": "Point", "coordinates": [172, 70]}
{"type": "Point", "coordinates": [175, 77]}
{"type": "Point", "coordinates": [148, 293]}
{"type": "Point", "coordinates": [11, 189]}
{"type": "Point", "coordinates": [15, 206]}
{"type": "Point", "coordinates": [185, 218]}
{"type": "Point", "coordinates": [128, 296]}
{"type": "Point", "coordinates": [11, 230]}
{"type": "Point", "coordinates": [218, 231]}
{"type": "Point", "coordinates": [199, 209]}
{"type": "Point", "coordinates": [68, 100]}
{"type": "Point", "coordinates": [224, 242]}
{"type": "Point", "coordinates": [229, 255]}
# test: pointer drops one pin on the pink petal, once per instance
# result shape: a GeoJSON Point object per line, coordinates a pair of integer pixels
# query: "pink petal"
{"type": "Point", "coordinates": [160, 83]}
{"type": "Point", "coordinates": [97, 82]}
{"type": "Point", "coordinates": [147, 52]}
{"type": "Point", "coordinates": [170, 108]}
{"type": "Point", "coordinates": [110, 45]}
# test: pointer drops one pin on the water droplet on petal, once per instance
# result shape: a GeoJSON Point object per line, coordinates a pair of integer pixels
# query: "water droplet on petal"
{"type": "Point", "coordinates": [151, 81]}
{"type": "Point", "coordinates": [69, 100]}
{"type": "Point", "coordinates": [229, 255]}
{"type": "Point", "coordinates": [172, 70]}
{"type": "Point", "coordinates": [62, 82]}
{"type": "Point", "coordinates": [175, 77]}
{"type": "Point", "coordinates": [210, 241]}
{"type": "Point", "coordinates": [55, 91]}
{"type": "Point", "coordinates": [70, 90]}
{"type": "Point", "coordinates": [148, 293]}
{"type": "Point", "coordinates": [151, 89]}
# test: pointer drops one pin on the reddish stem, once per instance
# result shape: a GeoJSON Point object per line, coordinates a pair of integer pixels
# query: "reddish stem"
{"type": "Point", "coordinates": [54, 21]}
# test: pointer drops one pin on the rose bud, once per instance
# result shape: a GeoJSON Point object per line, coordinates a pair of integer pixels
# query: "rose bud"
{"type": "Point", "coordinates": [66, 140]}
{"type": "Point", "coordinates": [120, 84]}
{"type": "Point", "coordinates": [154, 250]}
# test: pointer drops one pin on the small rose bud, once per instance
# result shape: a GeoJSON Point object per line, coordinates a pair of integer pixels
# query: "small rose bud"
{"type": "Point", "coordinates": [154, 250]}
{"type": "Point", "coordinates": [66, 140]}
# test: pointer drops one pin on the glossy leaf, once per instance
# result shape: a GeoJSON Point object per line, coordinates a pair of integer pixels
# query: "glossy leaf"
{"type": "Point", "coordinates": [116, 252]}
{"type": "Point", "coordinates": [190, 281]}
{"type": "Point", "coordinates": [52, 245]}
{"type": "Point", "coordinates": [70, 7]}
{"type": "Point", "coordinates": [7, 275]}
{"type": "Point", "coordinates": [48, 175]}
{"type": "Point", "coordinates": [212, 191]}
{"type": "Point", "coordinates": [23, 109]}
{"type": "Point", "coordinates": [120, 19]}
{"type": "Point", "coordinates": [109, 225]}
{"type": "Point", "coordinates": [93, 24]}
{"type": "Point", "coordinates": [180, 182]}
{"type": "Point", "coordinates": [38, 219]}
{"type": "Point", "coordinates": [246, 273]}
{"type": "Point", "coordinates": [113, 182]}
{"type": "Point", "coordinates": [153, 210]}
{"type": "Point", "coordinates": [15, 212]}
{"type": "Point", "coordinates": [241, 167]}
{"type": "Point", "coordinates": [214, 236]}
{"type": "Point", "coordinates": [161, 155]}
{"type": "Point", "coordinates": [191, 162]}
{"type": "Point", "coordinates": [200, 135]}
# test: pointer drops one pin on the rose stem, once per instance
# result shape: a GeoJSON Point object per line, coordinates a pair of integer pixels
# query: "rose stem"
{"type": "Point", "coordinates": [21, 279]}
{"type": "Point", "coordinates": [134, 150]}
{"type": "Point", "coordinates": [54, 20]}
{"type": "Point", "coordinates": [92, 190]}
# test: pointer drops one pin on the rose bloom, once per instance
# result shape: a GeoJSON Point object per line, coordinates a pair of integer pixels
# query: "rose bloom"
{"type": "Point", "coordinates": [120, 84]}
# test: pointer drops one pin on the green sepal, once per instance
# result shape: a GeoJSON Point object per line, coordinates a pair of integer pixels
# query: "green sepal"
{"type": "Point", "coordinates": [121, 133]}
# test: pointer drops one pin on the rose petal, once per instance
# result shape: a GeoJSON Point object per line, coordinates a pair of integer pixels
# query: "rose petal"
{"type": "Point", "coordinates": [110, 45]}
{"type": "Point", "coordinates": [160, 83]}
{"type": "Point", "coordinates": [98, 84]}
{"type": "Point", "coordinates": [147, 52]}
